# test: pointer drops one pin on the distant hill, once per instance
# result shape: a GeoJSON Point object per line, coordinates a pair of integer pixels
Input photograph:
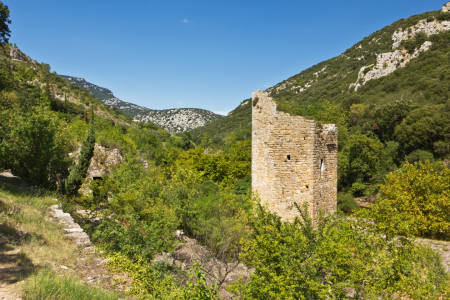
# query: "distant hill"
{"type": "Point", "coordinates": [106, 96]}
{"type": "Point", "coordinates": [171, 120]}
{"type": "Point", "coordinates": [179, 119]}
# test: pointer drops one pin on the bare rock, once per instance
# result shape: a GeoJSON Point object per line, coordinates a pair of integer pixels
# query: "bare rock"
{"type": "Point", "coordinates": [18, 55]}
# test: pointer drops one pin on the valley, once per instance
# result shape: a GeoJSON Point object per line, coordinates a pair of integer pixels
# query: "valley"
{"type": "Point", "coordinates": [331, 184]}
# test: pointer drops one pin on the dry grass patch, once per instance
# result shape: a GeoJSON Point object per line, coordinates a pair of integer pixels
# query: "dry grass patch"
{"type": "Point", "coordinates": [25, 226]}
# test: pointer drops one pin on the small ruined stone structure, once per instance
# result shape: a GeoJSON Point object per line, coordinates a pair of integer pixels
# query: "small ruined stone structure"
{"type": "Point", "coordinates": [293, 160]}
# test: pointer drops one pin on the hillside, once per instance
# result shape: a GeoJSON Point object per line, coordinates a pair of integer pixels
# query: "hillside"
{"type": "Point", "coordinates": [107, 96]}
{"type": "Point", "coordinates": [178, 119]}
{"type": "Point", "coordinates": [404, 60]}
{"type": "Point", "coordinates": [237, 124]}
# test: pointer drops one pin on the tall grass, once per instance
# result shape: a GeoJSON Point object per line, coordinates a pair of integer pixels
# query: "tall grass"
{"type": "Point", "coordinates": [46, 285]}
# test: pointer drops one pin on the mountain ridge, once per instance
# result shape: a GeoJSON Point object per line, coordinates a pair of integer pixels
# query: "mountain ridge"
{"type": "Point", "coordinates": [106, 96]}
{"type": "Point", "coordinates": [172, 120]}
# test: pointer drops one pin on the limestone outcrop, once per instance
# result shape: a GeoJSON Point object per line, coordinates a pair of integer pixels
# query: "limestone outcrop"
{"type": "Point", "coordinates": [391, 61]}
{"type": "Point", "coordinates": [18, 55]}
{"type": "Point", "coordinates": [101, 162]}
{"type": "Point", "coordinates": [178, 119]}
{"type": "Point", "coordinates": [386, 64]}
{"type": "Point", "coordinates": [429, 28]}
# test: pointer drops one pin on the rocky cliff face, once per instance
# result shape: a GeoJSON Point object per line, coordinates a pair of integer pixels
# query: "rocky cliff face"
{"type": "Point", "coordinates": [18, 55]}
{"type": "Point", "coordinates": [178, 120]}
{"type": "Point", "coordinates": [388, 62]}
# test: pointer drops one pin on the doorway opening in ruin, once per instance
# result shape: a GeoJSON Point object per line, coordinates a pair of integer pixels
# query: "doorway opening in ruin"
{"type": "Point", "coordinates": [289, 157]}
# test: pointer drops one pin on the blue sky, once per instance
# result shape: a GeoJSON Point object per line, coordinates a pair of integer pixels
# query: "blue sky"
{"type": "Point", "coordinates": [199, 54]}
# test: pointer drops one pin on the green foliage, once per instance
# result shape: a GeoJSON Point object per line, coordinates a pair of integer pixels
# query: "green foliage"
{"type": "Point", "coordinates": [73, 183]}
{"type": "Point", "coordinates": [46, 284]}
{"type": "Point", "coordinates": [346, 203]}
{"type": "Point", "coordinates": [424, 128]}
{"type": "Point", "coordinates": [335, 256]}
{"type": "Point", "coordinates": [34, 145]}
{"type": "Point", "coordinates": [443, 16]}
{"type": "Point", "coordinates": [414, 201]}
{"type": "Point", "coordinates": [243, 186]}
{"type": "Point", "coordinates": [150, 281]}
{"type": "Point", "coordinates": [360, 158]}
{"type": "Point", "coordinates": [5, 32]}
{"type": "Point", "coordinates": [134, 238]}
{"type": "Point", "coordinates": [198, 290]}
{"type": "Point", "coordinates": [412, 44]}
{"type": "Point", "coordinates": [419, 156]}
{"type": "Point", "coordinates": [234, 127]}
{"type": "Point", "coordinates": [228, 167]}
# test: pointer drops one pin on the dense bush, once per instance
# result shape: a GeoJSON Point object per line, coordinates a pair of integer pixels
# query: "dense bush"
{"type": "Point", "coordinates": [135, 238]}
{"type": "Point", "coordinates": [414, 201]}
{"type": "Point", "coordinates": [34, 145]}
{"type": "Point", "coordinates": [346, 203]}
{"type": "Point", "coordinates": [335, 258]}
{"type": "Point", "coordinates": [359, 159]}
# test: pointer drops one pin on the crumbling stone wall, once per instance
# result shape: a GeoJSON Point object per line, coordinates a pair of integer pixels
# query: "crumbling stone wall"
{"type": "Point", "coordinates": [293, 160]}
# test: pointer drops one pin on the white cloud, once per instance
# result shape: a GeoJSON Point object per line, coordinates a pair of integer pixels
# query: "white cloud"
{"type": "Point", "coordinates": [179, 102]}
{"type": "Point", "coordinates": [223, 113]}
{"type": "Point", "coordinates": [185, 21]}
{"type": "Point", "coordinates": [266, 85]}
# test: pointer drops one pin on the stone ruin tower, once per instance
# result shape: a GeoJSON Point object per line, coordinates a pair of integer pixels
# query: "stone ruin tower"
{"type": "Point", "coordinates": [293, 160]}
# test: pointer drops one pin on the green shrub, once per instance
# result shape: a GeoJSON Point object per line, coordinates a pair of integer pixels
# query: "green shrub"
{"type": "Point", "coordinates": [73, 183]}
{"type": "Point", "coordinates": [359, 159]}
{"type": "Point", "coordinates": [299, 260]}
{"type": "Point", "coordinates": [419, 156]}
{"type": "Point", "coordinates": [34, 146]}
{"type": "Point", "coordinates": [414, 201]}
{"type": "Point", "coordinates": [133, 237]}
{"type": "Point", "coordinates": [243, 186]}
{"type": "Point", "coordinates": [346, 203]}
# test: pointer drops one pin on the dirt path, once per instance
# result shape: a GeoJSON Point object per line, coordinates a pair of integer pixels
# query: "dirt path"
{"type": "Point", "coordinates": [13, 267]}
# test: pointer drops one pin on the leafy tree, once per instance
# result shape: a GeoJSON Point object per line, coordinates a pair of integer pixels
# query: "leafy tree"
{"type": "Point", "coordinates": [414, 201]}
{"type": "Point", "coordinates": [387, 117]}
{"type": "Point", "coordinates": [73, 183]}
{"type": "Point", "coordinates": [423, 128]}
{"type": "Point", "coordinates": [46, 97]}
{"type": "Point", "coordinates": [34, 145]}
{"type": "Point", "coordinates": [5, 32]}
{"type": "Point", "coordinates": [360, 158]}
